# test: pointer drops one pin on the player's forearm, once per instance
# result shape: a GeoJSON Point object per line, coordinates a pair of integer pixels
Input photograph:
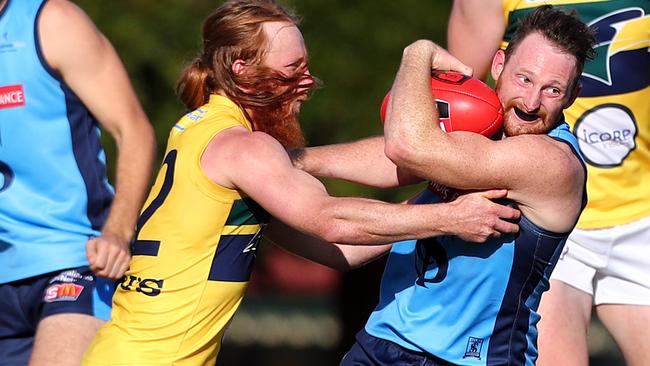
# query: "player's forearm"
{"type": "Point", "coordinates": [136, 150]}
{"type": "Point", "coordinates": [340, 257]}
{"type": "Point", "coordinates": [337, 256]}
{"type": "Point", "coordinates": [410, 135]}
{"type": "Point", "coordinates": [357, 256]}
{"type": "Point", "coordinates": [362, 162]}
{"type": "Point", "coordinates": [361, 221]}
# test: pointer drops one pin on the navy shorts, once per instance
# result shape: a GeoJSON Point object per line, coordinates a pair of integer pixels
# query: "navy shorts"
{"type": "Point", "coordinates": [25, 302]}
{"type": "Point", "coordinates": [373, 351]}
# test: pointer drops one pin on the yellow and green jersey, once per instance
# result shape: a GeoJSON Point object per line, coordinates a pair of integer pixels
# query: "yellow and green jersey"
{"type": "Point", "coordinates": [612, 116]}
{"type": "Point", "coordinates": [192, 256]}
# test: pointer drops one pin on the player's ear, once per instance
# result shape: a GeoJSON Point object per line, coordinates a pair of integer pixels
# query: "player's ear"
{"type": "Point", "coordinates": [498, 63]}
{"type": "Point", "coordinates": [238, 67]}
{"type": "Point", "coordinates": [575, 91]}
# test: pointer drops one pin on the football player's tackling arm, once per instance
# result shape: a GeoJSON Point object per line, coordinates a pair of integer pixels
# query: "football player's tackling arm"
{"type": "Point", "coordinates": [340, 257]}
{"type": "Point", "coordinates": [361, 161]}
{"type": "Point", "coordinates": [258, 165]}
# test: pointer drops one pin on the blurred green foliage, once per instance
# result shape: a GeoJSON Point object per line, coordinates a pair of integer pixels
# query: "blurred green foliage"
{"type": "Point", "coordinates": [354, 47]}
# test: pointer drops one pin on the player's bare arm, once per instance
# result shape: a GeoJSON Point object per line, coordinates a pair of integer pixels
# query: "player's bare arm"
{"type": "Point", "coordinates": [239, 159]}
{"type": "Point", "coordinates": [362, 162]}
{"type": "Point", "coordinates": [341, 257]}
{"type": "Point", "coordinates": [471, 161]}
{"type": "Point", "coordinates": [475, 31]}
{"type": "Point", "coordinates": [471, 224]}
{"type": "Point", "coordinates": [90, 66]}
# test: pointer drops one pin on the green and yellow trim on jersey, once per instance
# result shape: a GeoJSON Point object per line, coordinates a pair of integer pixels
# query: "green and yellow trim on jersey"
{"type": "Point", "coordinates": [612, 116]}
{"type": "Point", "coordinates": [192, 256]}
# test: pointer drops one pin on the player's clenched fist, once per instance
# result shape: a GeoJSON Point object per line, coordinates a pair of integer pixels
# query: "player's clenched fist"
{"type": "Point", "coordinates": [440, 58]}
{"type": "Point", "coordinates": [108, 255]}
{"type": "Point", "coordinates": [478, 218]}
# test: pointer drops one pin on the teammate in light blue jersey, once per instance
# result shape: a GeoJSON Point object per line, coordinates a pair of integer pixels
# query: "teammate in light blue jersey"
{"type": "Point", "coordinates": [60, 224]}
{"type": "Point", "coordinates": [447, 301]}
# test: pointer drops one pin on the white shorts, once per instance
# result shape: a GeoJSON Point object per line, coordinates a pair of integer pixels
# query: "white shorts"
{"type": "Point", "coordinates": [612, 265]}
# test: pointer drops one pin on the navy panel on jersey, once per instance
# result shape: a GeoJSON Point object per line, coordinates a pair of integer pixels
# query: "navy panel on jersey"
{"type": "Point", "coordinates": [508, 343]}
{"type": "Point", "coordinates": [89, 155]}
{"type": "Point", "coordinates": [145, 247]}
{"type": "Point", "coordinates": [234, 258]}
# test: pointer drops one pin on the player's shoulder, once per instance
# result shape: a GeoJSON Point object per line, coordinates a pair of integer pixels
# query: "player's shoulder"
{"type": "Point", "coordinates": [247, 143]}
{"type": "Point", "coordinates": [538, 144]}
{"type": "Point", "coordinates": [236, 151]}
{"type": "Point", "coordinates": [63, 11]}
{"type": "Point", "coordinates": [65, 22]}
{"type": "Point", "coordinates": [66, 31]}
{"type": "Point", "coordinates": [218, 111]}
{"type": "Point", "coordinates": [207, 124]}
{"type": "Point", "coordinates": [546, 155]}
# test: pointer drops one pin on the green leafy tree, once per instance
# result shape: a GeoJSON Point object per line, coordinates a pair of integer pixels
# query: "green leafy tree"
{"type": "Point", "coordinates": [354, 47]}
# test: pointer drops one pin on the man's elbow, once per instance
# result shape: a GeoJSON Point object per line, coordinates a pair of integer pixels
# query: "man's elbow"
{"type": "Point", "coordinates": [400, 153]}
{"type": "Point", "coordinates": [333, 232]}
{"type": "Point", "coordinates": [334, 229]}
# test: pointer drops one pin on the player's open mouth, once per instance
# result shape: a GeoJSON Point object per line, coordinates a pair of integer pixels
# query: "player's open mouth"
{"type": "Point", "coordinates": [525, 116]}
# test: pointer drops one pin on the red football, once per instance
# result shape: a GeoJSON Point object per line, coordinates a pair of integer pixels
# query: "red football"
{"type": "Point", "coordinates": [464, 104]}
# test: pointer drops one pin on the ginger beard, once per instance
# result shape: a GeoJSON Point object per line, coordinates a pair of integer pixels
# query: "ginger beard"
{"type": "Point", "coordinates": [274, 106]}
{"type": "Point", "coordinates": [517, 122]}
{"type": "Point", "coordinates": [281, 121]}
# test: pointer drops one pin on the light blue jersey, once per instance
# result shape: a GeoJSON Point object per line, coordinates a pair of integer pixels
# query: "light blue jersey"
{"type": "Point", "coordinates": [53, 188]}
{"type": "Point", "coordinates": [468, 303]}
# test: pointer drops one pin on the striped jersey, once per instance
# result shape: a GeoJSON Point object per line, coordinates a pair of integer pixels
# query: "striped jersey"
{"type": "Point", "coordinates": [192, 256]}
{"type": "Point", "coordinates": [611, 118]}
